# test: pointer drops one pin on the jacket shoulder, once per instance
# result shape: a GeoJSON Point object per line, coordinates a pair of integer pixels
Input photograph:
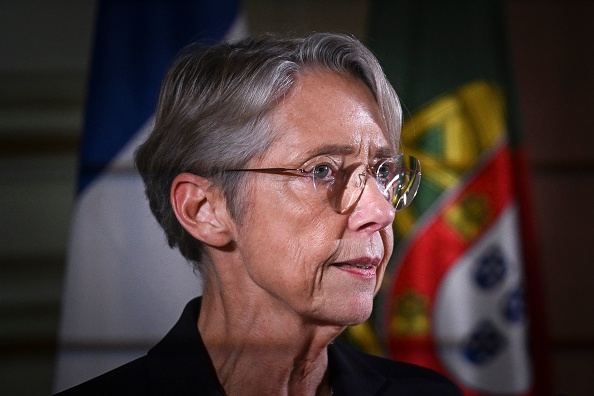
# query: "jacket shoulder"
{"type": "Point", "coordinates": [129, 379]}
{"type": "Point", "coordinates": [400, 378]}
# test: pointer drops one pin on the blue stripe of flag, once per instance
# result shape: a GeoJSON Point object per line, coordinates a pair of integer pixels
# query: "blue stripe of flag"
{"type": "Point", "coordinates": [135, 42]}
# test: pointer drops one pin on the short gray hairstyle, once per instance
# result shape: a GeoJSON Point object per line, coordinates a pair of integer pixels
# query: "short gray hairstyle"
{"type": "Point", "coordinates": [214, 113]}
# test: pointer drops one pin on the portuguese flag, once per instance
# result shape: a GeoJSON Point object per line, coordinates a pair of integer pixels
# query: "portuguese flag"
{"type": "Point", "coordinates": [461, 296]}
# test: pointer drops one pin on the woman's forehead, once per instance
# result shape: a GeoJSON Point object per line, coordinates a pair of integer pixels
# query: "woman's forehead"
{"type": "Point", "coordinates": [330, 114]}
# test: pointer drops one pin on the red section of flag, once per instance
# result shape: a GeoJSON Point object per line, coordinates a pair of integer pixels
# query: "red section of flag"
{"type": "Point", "coordinates": [452, 229]}
{"type": "Point", "coordinates": [539, 332]}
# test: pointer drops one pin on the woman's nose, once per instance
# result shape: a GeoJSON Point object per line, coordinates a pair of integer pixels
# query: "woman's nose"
{"type": "Point", "coordinates": [372, 211]}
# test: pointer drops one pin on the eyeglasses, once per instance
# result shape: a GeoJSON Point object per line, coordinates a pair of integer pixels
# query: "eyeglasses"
{"type": "Point", "coordinates": [398, 179]}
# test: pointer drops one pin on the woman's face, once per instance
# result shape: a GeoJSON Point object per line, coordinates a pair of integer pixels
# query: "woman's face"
{"type": "Point", "coordinates": [302, 256]}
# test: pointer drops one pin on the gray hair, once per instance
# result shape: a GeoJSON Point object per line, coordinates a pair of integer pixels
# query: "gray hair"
{"type": "Point", "coordinates": [214, 113]}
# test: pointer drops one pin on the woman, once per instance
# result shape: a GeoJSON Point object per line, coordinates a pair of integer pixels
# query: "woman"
{"type": "Point", "coordinates": [274, 167]}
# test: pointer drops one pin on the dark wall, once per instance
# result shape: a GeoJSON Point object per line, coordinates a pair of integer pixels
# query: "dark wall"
{"type": "Point", "coordinates": [43, 66]}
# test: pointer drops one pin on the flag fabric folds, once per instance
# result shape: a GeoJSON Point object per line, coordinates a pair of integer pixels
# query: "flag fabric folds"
{"type": "Point", "coordinates": [124, 286]}
{"type": "Point", "coordinates": [457, 298]}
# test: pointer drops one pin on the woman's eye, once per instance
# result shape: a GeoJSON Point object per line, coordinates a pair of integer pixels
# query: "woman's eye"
{"type": "Point", "coordinates": [384, 171]}
{"type": "Point", "coordinates": [322, 172]}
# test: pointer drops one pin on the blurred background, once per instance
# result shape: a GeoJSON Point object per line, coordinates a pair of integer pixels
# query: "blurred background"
{"type": "Point", "coordinates": [44, 59]}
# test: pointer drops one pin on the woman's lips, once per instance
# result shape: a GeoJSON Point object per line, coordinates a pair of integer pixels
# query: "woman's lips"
{"type": "Point", "coordinates": [361, 262]}
{"type": "Point", "coordinates": [365, 266]}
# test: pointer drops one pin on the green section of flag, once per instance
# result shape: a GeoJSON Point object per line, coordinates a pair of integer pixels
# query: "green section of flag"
{"type": "Point", "coordinates": [431, 47]}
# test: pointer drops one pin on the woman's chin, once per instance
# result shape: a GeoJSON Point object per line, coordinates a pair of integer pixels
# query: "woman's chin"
{"type": "Point", "coordinates": [350, 312]}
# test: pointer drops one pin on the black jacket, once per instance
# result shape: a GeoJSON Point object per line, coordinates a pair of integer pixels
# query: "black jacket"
{"type": "Point", "coordinates": [180, 365]}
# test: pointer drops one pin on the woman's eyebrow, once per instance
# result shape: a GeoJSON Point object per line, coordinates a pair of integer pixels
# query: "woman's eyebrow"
{"type": "Point", "coordinates": [338, 149]}
{"type": "Point", "coordinates": [330, 149]}
{"type": "Point", "coordinates": [385, 152]}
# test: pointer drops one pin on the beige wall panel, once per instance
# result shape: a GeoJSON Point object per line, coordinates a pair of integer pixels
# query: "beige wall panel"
{"type": "Point", "coordinates": [42, 35]}
{"type": "Point", "coordinates": [575, 372]}
{"type": "Point", "coordinates": [36, 195]}
{"type": "Point", "coordinates": [553, 48]}
{"type": "Point", "coordinates": [565, 217]}
{"type": "Point", "coordinates": [306, 16]}
{"type": "Point", "coordinates": [26, 374]}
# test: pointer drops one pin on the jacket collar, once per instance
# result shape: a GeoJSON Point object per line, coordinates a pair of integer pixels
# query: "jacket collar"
{"type": "Point", "coordinates": [179, 364]}
{"type": "Point", "coordinates": [351, 375]}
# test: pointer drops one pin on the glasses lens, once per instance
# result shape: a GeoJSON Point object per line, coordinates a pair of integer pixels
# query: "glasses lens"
{"type": "Point", "coordinates": [342, 188]}
{"type": "Point", "coordinates": [398, 179]}
{"type": "Point", "coordinates": [404, 183]}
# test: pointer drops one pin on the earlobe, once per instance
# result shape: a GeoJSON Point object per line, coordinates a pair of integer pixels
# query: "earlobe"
{"type": "Point", "coordinates": [199, 209]}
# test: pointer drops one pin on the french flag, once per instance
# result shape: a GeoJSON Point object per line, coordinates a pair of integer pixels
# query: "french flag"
{"type": "Point", "coordinates": [124, 287]}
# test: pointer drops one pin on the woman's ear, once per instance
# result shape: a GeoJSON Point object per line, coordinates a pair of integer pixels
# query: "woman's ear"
{"type": "Point", "coordinates": [201, 210]}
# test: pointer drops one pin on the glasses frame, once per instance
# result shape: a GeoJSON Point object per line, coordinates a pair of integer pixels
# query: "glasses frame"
{"type": "Point", "coordinates": [399, 204]}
